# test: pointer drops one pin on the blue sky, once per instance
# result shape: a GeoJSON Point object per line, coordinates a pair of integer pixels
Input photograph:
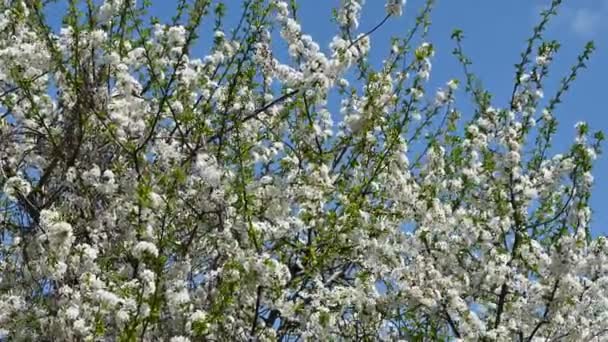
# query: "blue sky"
{"type": "Point", "coordinates": [495, 34]}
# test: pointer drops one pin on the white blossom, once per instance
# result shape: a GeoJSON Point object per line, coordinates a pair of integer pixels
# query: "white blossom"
{"type": "Point", "coordinates": [143, 248]}
{"type": "Point", "coordinates": [279, 184]}
{"type": "Point", "coordinates": [15, 186]}
{"type": "Point", "coordinates": [395, 7]}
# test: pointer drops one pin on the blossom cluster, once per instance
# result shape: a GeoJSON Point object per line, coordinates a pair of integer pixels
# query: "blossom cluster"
{"type": "Point", "coordinates": [147, 193]}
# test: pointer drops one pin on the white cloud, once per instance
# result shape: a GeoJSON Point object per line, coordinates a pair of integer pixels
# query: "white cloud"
{"type": "Point", "coordinates": [587, 22]}
{"type": "Point", "coordinates": [586, 19]}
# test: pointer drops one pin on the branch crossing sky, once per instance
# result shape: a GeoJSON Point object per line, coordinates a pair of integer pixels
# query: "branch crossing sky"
{"type": "Point", "coordinates": [495, 33]}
